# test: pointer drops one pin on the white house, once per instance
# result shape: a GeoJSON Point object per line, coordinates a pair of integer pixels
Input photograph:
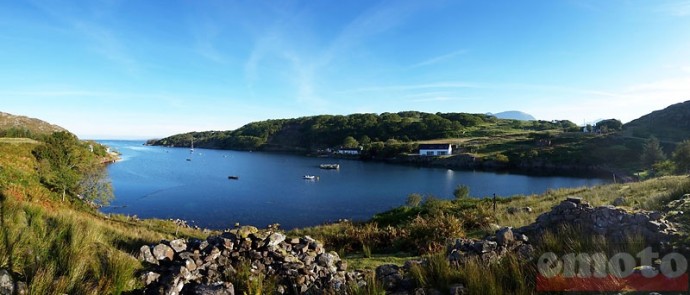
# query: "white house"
{"type": "Point", "coordinates": [435, 149]}
{"type": "Point", "coordinates": [349, 151]}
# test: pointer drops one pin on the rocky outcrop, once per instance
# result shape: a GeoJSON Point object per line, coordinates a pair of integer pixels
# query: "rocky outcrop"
{"type": "Point", "coordinates": [299, 265]}
{"type": "Point", "coordinates": [616, 224]}
{"type": "Point", "coordinates": [490, 249]}
{"type": "Point", "coordinates": [9, 285]}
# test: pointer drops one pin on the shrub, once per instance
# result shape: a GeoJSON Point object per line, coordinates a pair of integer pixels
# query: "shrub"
{"type": "Point", "coordinates": [430, 233]}
{"type": "Point", "coordinates": [413, 200]}
{"type": "Point", "coordinates": [461, 192]}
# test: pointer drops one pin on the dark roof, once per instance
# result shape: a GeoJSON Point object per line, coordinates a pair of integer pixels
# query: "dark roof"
{"type": "Point", "coordinates": [443, 146]}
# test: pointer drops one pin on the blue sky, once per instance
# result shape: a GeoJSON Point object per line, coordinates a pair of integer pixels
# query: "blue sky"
{"type": "Point", "coordinates": [143, 69]}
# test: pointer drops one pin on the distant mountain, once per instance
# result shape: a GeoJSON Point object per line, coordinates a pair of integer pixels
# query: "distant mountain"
{"type": "Point", "coordinates": [669, 124]}
{"type": "Point", "coordinates": [20, 126]}
{"type": "Point", "coordinates": [515, 115]}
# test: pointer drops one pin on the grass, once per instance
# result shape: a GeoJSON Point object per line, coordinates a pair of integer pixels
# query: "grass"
{"type": "Point", "coordinates": [511, 274]}
{"type": "Point", "coordinates": [362, 262]}
{"type": "Point", "coordinates": [372, 286]}
{"type": "Point", "coordinates": [62, 247]}
{"type": "Point", "coordinates": [646, 195]}
{"type": "Point", "coordinates": [18, 140]}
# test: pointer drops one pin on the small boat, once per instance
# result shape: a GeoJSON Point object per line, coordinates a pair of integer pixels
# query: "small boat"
{"type": "Point", "coordinates": [329, 166]}
{"type": "Point", "coordinates": [189, 159]}
{"type": "Point", "coordinates": [234, 177]}
{"type": "Point", "coordinates": [310, 177]}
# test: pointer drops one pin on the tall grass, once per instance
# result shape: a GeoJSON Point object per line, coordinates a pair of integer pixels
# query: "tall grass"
{"type": "Point", "coordinates": [63, 251]}
{"type": "Point", "coordinates": [249, 282]}
{"type": "Point", "coordinates": [372, 286]}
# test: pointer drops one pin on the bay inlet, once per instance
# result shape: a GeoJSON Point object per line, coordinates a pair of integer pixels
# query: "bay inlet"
{"type": "Point", "coordinates": [161, 182]}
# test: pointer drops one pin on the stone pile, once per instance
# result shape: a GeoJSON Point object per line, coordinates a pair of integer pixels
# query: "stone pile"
{"type": "Point", "coordinates": [677, 208]}
{"type": "Point", "coordinates": [396, 281]}
{"type": "Point", "coordinates": [490, 249]}
{"type": "Point", "coordinates": [300, 265]}
{"type": "Point", "coordinates": [616, 224]}
{"type": "Point", "coordinates": [514, 210]}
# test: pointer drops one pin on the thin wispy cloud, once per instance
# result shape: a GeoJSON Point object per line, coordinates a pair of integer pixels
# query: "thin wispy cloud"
{"type": "Point", "coordinates": [438, 59]}
{"type": "Point", "coordinates": [438, 99]}
{"type": "Point", "coordinates": [55, 93]}
{"type": "Point", "coordinates": [103, 41]}
{"type": "Point", "coordinates": [374, 21]}
{"type": "Point", "coordinates": [307, 66]}
{"type": "Point", "coordinates": [205, 46]}
{"type": "Point", "coordinates": [437, 85]}
{"type": "Point", "coordinates": [676, 8]}
{"type": "Point", "coordinates": [555, 88]}
{"type": "Point", "coordinates": [585, 5]}
{"type": "Point", "coordinates": [107, 44]}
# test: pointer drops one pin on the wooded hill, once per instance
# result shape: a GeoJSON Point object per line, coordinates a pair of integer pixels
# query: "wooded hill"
{"type": "Point", "coordinates": [483, 141]}
{"type": "Point", "coordinates": [327, 131]}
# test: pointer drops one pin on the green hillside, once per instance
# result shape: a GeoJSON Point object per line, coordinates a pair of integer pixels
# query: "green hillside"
{"type": "Point", "coordinates": [671, 124]}
{"type": "Point", "coordinates": [65, 246]}
{"type": "Point", "coordinates": [21, 126]}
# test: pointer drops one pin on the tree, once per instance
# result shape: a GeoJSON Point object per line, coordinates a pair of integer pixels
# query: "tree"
{"type": "Point", "coordinates": [681, 157]}
{"type": "Point", "coordinates": [68, 167]}
{"type": "Point", "coordinates": [413, 200]}
{"type": "Point", "coordinates": [364, 139]}
{"type": "Point", "coordinates": [461, 192]}
{"type": "Point", "coordinates": [350, 142]}
{"type": "Point", "coordinates": [93, 185]}
{"type": "Point", "coordinates": [664, 168]}
{"type": "Point", "coordinates": [652, 153]}
{"type": "Point", "coordinates": [60, 162]}
{"type": "Point", "coordinates": [610, 125]}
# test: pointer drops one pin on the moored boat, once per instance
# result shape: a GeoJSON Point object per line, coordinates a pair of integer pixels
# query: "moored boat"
{"type": "Point", "coordinates": [329, 166]}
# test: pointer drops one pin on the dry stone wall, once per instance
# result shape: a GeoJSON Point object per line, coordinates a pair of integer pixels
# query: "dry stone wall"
{"type": "Point", "coordinates": [300, 265]}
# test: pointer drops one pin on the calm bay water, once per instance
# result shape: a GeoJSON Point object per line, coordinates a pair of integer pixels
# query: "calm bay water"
{"type": "Point", "coordinates": [160, 182]}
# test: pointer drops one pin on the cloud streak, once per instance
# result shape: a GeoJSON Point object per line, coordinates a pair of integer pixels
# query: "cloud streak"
{"type": "Point", "coordinates": [435, 85]}
{"type": "Point", "coordinates": [308, 61]}
{"type": "Point", "coordinates": [438, 59]}
{"type": "Point", "coordinates": [678, 8]}
{"type": "Point", "coordinates": [104, 41]}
